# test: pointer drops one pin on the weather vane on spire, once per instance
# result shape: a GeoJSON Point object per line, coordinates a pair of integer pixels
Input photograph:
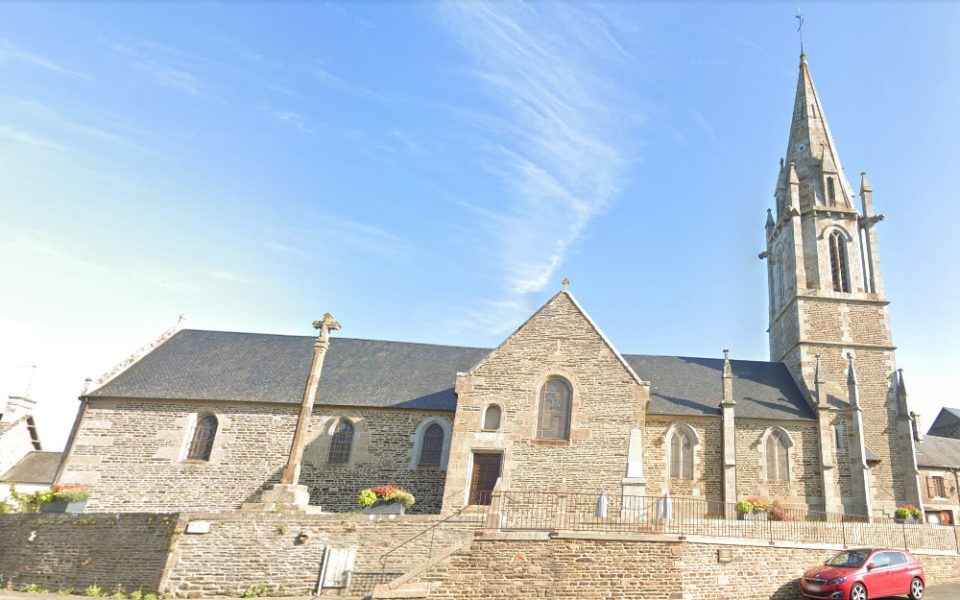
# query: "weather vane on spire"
{"type": "Point", "coordinates": [800, 28]}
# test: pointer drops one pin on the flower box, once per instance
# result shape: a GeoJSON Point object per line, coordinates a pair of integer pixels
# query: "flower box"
{"type": "Point", "coordinates": [63, 506]}
{"type": "Point", "coordinates": [907, 520]}
{"type": "Point", "coordinates": [385, 507]}
{"type": "Point", "coordinates": [385, 500]}
{"type": "Point", "coordinates": [757, 515]}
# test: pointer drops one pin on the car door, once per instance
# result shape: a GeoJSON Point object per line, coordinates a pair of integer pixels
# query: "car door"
{"type": "Point", "coordinates": [898, 580]}
{"type": "Point", "coordinates": [876, 579]}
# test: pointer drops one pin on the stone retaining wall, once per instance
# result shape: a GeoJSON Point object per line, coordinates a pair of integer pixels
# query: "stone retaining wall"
{"type": "Point", "coordinates": [602, 566]}
{"type": "Point", "coordinates": [243, 551]}
{"type": "Point", "coordinates": [57, 551]}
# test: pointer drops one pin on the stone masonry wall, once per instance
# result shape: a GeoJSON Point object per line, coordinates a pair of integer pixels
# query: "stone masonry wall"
{"type": "Point", "coordinates": [243, 551]}
{"type": "Point", "coordinates": [707, 482]}
{"type": "Point", "coordinates": [932, 501]}
{"type": "Point", "coordinates": [558, 341]}
{"type": "Point", "coordinates": [131, 454]}
{"type": "Point", "coordinates": [57, 551]}
{"type": "Point", "coordinates": [603, 566]}
{"type": "Point", "coordinates": [382, 453]}
{"type": "Point", "coordinates": [805, 487]}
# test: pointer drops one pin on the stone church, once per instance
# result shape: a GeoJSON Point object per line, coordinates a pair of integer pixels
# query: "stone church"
{"type": "Point", "coordinates": [211, 420]}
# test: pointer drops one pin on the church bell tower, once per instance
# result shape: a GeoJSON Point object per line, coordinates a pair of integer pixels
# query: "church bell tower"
{"type": "Point", "coordinates": [828, 315]}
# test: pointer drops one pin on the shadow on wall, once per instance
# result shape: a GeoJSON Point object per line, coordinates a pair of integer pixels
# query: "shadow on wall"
{"type": "Point", "coordinates": [788, 591]}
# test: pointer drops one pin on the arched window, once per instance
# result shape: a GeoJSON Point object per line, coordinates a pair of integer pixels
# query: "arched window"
{"type": "Point", "coordinates": [341, 443]}
{"type": "Point", "coordinates": [554, 417]}
{"type": "Point", "coordinates": [831, 191]}
{"type": "Point", "coordinates": [491, 418]}
{"type": "Point", "coordinates": [201, 444]}
{"type": "Point", "coordinates": [777, 457]}
{"type": "Point", "coordinates": [681, 455]}
{"type": "Point", "coordinates": [432, 449]}
{"type": "Point", "coordinates": [838, 262]}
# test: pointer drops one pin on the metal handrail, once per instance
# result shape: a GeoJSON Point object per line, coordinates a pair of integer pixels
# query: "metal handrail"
{"type": "Point", "coordinates": [431, 529]}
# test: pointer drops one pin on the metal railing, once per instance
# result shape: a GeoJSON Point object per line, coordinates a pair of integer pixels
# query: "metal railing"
{"type": "Point", "coordinates": [469, 515]}
{"type": "Point", "coordinates": [539, 510]}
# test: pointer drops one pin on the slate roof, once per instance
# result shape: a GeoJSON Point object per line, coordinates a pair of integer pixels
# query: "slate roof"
{"type": "Point", "coordinates": [947, 423]}
{"type": "Point", "coordinates": [681, 385]}
{"type": "Point", "coordinates": [34, 467]}
{"type": "Point", "coordinates": [936, 451]}
{"type": "Point", "coordinates": [249, 367]}
{"type": "Point", "coordinates": [252, 367]}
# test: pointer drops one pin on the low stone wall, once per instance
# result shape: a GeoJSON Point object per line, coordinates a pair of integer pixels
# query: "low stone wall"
{"type": "Point", "coordinates": [244, 550]}
{"type": "Point", "coordinates": [57, 551]}
{"type": "Point", "coordinates": [604, 565]}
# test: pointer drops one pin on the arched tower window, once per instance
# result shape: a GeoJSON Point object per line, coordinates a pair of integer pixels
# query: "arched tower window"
{"type": "Point", "coordinates": [201, 444]}
{"type": "Point", "coordinates": [838, 262]}
{"type": "Point", "coordinates": [341, 443]}
{"type": "Point", "coordinates": [491, 418]}
{"type": "Point", "coordinates": [777, 457]}
{"type": "Point", "coordinates": [432, 449]}
{"type": "Point", "coordinates": [554, 416]}
{"type": "Point", "coordinates": [681, 455]}
{"type": "Point", "coordinates": [831, 191]}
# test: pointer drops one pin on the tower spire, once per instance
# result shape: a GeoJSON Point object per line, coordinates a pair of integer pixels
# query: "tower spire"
{"type": "Point", "coordinates": [812, 149]}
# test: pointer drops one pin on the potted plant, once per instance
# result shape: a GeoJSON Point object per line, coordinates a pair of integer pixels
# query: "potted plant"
{"type": "Point", "coordinates": [752, 509]}
{"type": "Point", "coordinates": [67, 498]}
{"type": "Point", "coordinates": [778, 513]}
{"type": "Point", "coordinates": [908, 513]}
{"type": "Point", "coordinates": [385, 500]}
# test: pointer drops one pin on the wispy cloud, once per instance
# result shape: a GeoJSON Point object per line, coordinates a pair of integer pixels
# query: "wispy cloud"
{"type": "Point", "coordinates": [11, 52]}
{"type": "Point", "coordinates": [39, 247]}
{"type": "Point", "coordinates": [556, 139]}
{"type": "Point", "coordinates": [24, 138]}
{"type": "Point", "coordinates": [287, 117]}
{"type": "Point", "coordinates": [163, 280]}
{"type": "Point", "coordinates": [230, 277]}
{"type": "Point", "coordinates": [72, 124]}
{"type": "Point", "coordinates": [367, 238]}
{"type": "Point", "coordinates": [160, 73]}
{"type": "Point", "coordinates": [321, 73]}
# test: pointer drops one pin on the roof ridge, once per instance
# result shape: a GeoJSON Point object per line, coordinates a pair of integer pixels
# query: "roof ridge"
{"type": "Point", "coordinates": [467, 347]}
{"type": "Point", "coordinates": [332, 339]}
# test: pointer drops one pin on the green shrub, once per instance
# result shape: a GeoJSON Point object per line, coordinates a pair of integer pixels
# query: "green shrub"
{"type": "Point", "coordinates": [93, 590]}
{"type": "Point", "coordinates": [255, 592]}
{"type": "Point", "coordinates": [34, 589]}
{"type": "Point", "coordinates": [370, 495]}
{"type": "Point", "coordinates": [67, 591]}
{"type": "Point", "coordinates": [150, 596]}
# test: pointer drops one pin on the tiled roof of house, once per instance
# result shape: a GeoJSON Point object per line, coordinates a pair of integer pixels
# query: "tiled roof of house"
{"type": "Point", "coordinates": [248, 367]}
{"type": "Point", "coordinates": [35, 467]}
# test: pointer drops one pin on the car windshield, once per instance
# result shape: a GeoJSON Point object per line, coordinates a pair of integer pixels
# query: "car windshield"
{"type": "Point", "coordinates": [853, 558]}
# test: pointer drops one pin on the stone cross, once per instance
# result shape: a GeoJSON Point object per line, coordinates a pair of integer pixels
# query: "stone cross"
{"type": "Point", "coordinates": [566, 283]}
{"type": "Point", "coordinates": [291, 473]}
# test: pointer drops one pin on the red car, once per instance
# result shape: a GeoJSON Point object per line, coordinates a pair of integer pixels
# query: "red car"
{"type": "Point", "coordinates": [865, 573]}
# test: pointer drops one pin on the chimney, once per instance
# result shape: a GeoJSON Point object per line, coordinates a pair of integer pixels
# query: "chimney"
{"type": "Point", "coordinates": [917, 430]}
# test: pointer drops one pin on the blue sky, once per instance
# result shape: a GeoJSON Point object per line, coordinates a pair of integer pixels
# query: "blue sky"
{"type": "Point", "coordinates": [430, 171]}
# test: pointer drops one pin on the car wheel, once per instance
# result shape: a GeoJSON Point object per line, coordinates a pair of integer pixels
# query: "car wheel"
{"type": "Point", "coordinates": [916, 589]}
{"type": "Point", "coordinates": [858, 592]}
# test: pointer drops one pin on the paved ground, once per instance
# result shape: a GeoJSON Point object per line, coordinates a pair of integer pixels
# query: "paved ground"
{"type": "Point", "coordinates": [946, 591]}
